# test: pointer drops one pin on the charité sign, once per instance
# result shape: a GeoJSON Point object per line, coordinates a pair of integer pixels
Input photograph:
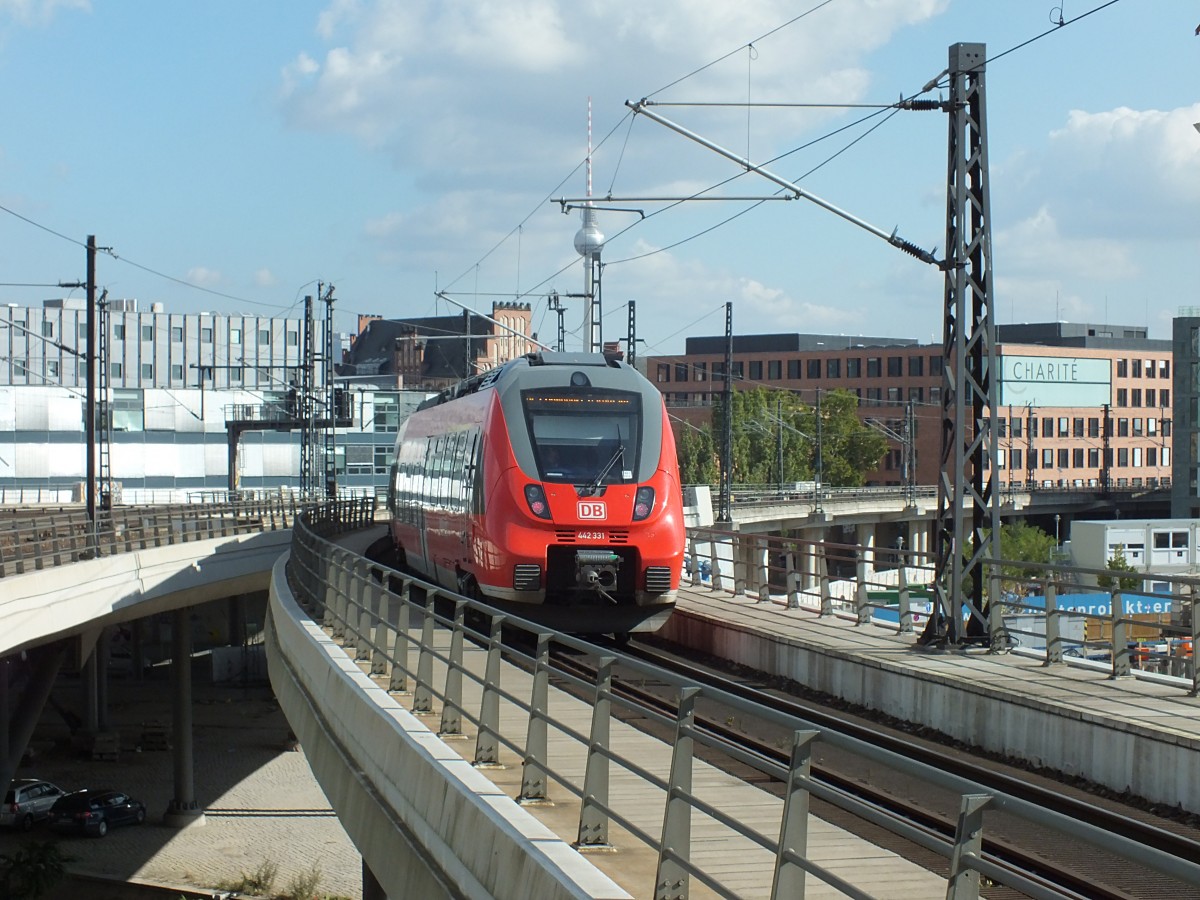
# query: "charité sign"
{"type": "Point", "coordinates": [1054, 381]}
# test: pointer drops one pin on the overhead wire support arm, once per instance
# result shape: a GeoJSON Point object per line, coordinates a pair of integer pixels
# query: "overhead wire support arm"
{"type": "Point", "coordinates": [892, 238]}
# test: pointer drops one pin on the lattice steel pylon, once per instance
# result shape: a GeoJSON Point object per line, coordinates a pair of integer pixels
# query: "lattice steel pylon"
{"type": "Point", "coordinates": [967, 529]}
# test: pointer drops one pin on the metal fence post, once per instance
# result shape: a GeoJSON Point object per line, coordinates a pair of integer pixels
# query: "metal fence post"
{"type": "Point", "coordinates": [423, 690]}
{"type": "Point", "coordinates": [739, 565]}
{"type": "Point", "coordinates": [963, 883]}
{"type": "Point", "coordinates": [1054, 650]}
{"type": "Point", "coordinates": [533, 773]}
{"type": "Point", "coordinates": [398, 680]}
{"type": "Point", "coordinates": [823, 575]}
{"type": "Point", "coordinates": [593, 819]}
{"type": "Point", "coordinates": [452, 702]}
{"type": "Point", "coordinates": [380, 609]}
{"type": "Point", "coordinates": [674, 850]}
{"type": "Point", "coordinates": [695, 573]}
{"type": "Point", "coordinates": [1120, 641]}
{"type": "Point", "coordinates": [793, 828]}
{"type": "Point", "coordinates": [714, 563]}
{"type": "Point", "coordinates": [361, 589]}
{"type": "Point", "coordinates": [762, 550]}
{"type": "Point", "coordinates": [487, 741]}
{"type": "Point", "coordinates": [793, 579]}
{"type": "Point", "coordinates": [903, 601]}
{"type": "Point", "coordinates": [995, 612]}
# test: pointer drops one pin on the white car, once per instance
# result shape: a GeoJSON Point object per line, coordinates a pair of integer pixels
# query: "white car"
{"type": "Point", "coordinates": [28, 800]}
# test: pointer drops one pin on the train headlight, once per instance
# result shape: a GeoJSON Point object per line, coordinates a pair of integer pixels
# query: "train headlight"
{"type": "Point", "coordinates": [536, 498]}
{"type": "Point", "coordinates": [643, 503]}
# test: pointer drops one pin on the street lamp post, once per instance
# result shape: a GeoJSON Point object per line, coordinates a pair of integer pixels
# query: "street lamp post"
{"type": "Point", "coordinates": [1057, 542]}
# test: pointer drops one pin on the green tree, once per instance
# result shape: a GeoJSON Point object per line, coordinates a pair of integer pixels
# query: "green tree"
{"type": "Point", "coordinates": [1118, 563]}
{"type": "Point", "coordinates": [764, 419]}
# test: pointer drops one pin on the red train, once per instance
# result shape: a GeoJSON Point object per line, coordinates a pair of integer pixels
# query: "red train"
{"type": "Point", "coordinates": [549, 487]}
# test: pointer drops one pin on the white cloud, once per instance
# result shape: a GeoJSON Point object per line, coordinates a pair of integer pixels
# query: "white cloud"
{"type": "Point", "coordinates": [39, 12]}
{"type": "Point", "coordinates": [265, 278]}
{"type": "Point", "coordinates": [203, 277]}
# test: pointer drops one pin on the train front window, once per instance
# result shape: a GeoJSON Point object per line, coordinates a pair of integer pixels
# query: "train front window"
{"type": "Point", "coordinates": [584, 436]}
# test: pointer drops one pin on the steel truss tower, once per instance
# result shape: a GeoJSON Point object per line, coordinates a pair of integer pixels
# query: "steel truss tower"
{"type": "Point", "coordinates": [967, 529]}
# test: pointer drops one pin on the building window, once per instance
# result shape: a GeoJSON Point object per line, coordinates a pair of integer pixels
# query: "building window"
{"type": "Point", "coordinates": [873, 367]}
{"type": "Point", "coordinates": [1018, 425]}
{"type": "Point", "coordinates": [1033, 426]}
{"type": "Point", "coordinates": [854, 367]}
{"type": "Point", "coordinates": [916, 365]}
{"type": "Point", "coordinates": [916, 394]}
{"type": "Point", "coordinates": [935, 395]}
{"type": "Point", "coordinates": [1137, 457]}
{"type": "Point", "coordinates": [814, 368]}
{"type": "Point", "coordinates": [833, 368]}
{"type": "Point", "coordinates": [775, 370]}
{"type": "Point", "coordinates": [176, 373]}
{"type": "Point", "coordinates": [147, 371]}
{"type": "Point", "coordinates": [206, 335]}
{"type": "Point", "coordinates": [1077, 427]}
{"type": "Point", "coordinates": [1016, 458]}
{"type": "Point", "coordinates": [1063, 427]}
{"type": "Point", "coordinates": [1164, 371]}
{"type": "Point", "coordinates": [293, 338]}
{"type": "Point", "coordinates": [1047, 458]}
{"type": "Point", "coordinates": [1137, 368]}
{"type": "Point", "coordinates": [82, 329]}
{"type": "Point", "coordinates": [1063, 457]}
{"type": "Point", "coordinates": [235, 376]}
{"type": "Point", "coordinates": [663, 375]}
{"type": "Point", "coordinates": [1122, 428]}
{"type": "Point", "coordinates": [1151, 368]}
{"type": "Point", "coordinates": [127, 412]}
{"type": "Point", "coordinates": [1135, 398]}
{"type": "Point", "coordinates": [1122, 456]}
{"type": "Point", "coordinates": [739, 371]}
{"type": "Point", "coordinates": [756, 370]}
{"type": "Point", "coordinates": [794, 369]}
{"type": "Point", "coordinates": [1122, 397]}
{"type": "Point", "coordinates": [1151, 456]}
{"type": "Point", "coordinates": [1093, 427]}
{"type": "Point", "coordinates": [264, 338]}
{"type": "Point", "coordinates": [52, 368]}
{"type": "Point", "coordinates": [115, 370]}
{"type": "Point", "coordinates": [147, 332]}
{"type": "Point", "coordinates": [47, 328]}
{"type": "Point", "coordinates": [20, 370]}
{"type": "Point", "coordinates": [235, 335]}
{"type": "Point", "coordinates": [936, 365]}
{"type": "Point", "coordinates": [1164, 398]}
{"type": "Point", "coordinates": [1151, 397]}
{"type": "Point", "coordinates": [1122, 368]}
{"type": "Point", "coordinates": [387, 413]}
{"type": "Point", "coordinates": [176, 334]}
{"type": "Point", "coordinates": [81, 369]}
{"type": "Point", "coordinates": [1047, 427]}
{"type": "Point", "coordinates": [893, 395]}
{"type": "Point", "coordinates": [681, 371]}
{"type": "Point", "coordinates": [1137, 427]}
{"type": "Point", "coordinates": [119, 331]}
{"type": "Point", "coordinates": [701, 370]}
{"type": "Point", "coordinates": [1093, 457]}
{"type": "Point", "coordinates": [874, 395]}
{"type": "Point", "coordinates": [895, 366]}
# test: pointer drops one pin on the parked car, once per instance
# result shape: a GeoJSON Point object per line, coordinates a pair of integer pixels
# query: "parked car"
{"type": "Point", "coordinates": [28, 800]}
{"type": "Point", "coordinates": [93, 812]}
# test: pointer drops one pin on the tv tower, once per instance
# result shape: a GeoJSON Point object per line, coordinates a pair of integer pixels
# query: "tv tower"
{"type": "Point", "coordinates": [589, 241]}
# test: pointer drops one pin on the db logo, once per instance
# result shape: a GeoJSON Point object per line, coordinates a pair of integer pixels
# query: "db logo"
{"type": "Point", "coordinates": [592, 509]}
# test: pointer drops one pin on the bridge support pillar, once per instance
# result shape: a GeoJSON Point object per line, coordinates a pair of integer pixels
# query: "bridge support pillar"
{"type": "Point", "coordinates": [182, 811]}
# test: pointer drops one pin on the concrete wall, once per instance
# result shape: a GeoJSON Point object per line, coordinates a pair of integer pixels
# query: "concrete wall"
{"type": "Point", "coordinates": [427, 823]}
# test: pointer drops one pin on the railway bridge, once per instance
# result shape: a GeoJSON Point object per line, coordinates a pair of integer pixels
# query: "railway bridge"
{"type": "Point", "coordinates": [461, 765]}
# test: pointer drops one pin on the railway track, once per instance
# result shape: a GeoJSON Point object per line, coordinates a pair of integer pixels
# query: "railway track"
{"type": "Point", "coordinates": [1047, 862]}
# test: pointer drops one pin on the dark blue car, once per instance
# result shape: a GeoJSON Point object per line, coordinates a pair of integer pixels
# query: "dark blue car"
{"type": "Point", "coordinates": [93, 812]}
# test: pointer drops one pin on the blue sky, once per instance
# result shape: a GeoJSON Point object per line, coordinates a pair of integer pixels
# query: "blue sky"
{"type": "Point", "coordinates": [396, 148]}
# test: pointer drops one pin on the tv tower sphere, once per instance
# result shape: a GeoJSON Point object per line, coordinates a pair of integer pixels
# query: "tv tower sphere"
{"type": "Point", "coordinates": [589, 240]}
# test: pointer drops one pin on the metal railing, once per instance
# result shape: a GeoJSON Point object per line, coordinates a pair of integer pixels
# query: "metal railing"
{"type": "Point", "coordinates": [37, 539]}
{"type": "Point", "coordinates": [1129, 630]}
{"type": "Point", "coordinates": [409, 632]}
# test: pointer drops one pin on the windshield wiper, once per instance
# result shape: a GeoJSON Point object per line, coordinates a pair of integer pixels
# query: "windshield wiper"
{"type": "Point", "coordinates": [593, 486]}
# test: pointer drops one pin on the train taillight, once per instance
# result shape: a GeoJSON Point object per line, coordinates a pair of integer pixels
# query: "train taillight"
{"type": "Point", "coordinates": [643, 503]}
{"type": "Point", "coordinates": [536, 498]}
